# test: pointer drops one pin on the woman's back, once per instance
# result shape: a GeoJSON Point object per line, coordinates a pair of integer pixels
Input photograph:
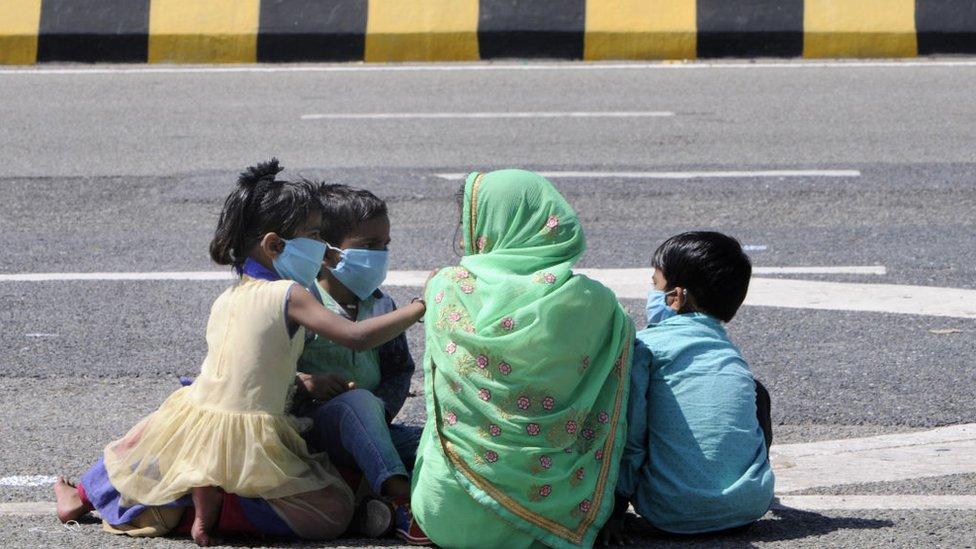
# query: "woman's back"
{"type": "Point", "coordinates": [526, 374]}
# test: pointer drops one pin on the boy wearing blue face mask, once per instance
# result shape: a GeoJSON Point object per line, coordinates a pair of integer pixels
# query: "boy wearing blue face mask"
{"type": "Point", "coordinates": [696, 458]}
{"type": "Point", "coordinates": [365, 389]}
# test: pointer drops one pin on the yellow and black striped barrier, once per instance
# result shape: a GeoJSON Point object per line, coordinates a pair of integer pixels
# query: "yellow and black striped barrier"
{"type": "Point", "coordinates": [248, 31]}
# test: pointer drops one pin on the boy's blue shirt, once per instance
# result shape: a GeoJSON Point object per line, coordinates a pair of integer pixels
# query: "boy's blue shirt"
{"type": "Point", "coordinates": [695, 459]}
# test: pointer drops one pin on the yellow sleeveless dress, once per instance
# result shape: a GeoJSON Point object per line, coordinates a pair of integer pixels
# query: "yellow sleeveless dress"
{"type": "Point", "coordinates": [229, 428]}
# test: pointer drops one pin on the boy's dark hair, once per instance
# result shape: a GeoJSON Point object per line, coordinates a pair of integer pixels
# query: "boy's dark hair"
{"type": "Point", "coordinates": [711, 266]}
{"type": "Point", "coordinates": [259, 205]}
{"type": "Point", "coordinates": [344, 208]}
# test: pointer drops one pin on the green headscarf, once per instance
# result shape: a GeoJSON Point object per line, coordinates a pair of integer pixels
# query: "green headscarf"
{"type": "Point", "coordinates": [527, 365]}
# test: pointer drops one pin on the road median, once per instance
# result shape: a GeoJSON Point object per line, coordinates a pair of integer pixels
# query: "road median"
{"type": "Point", "coordinates": [274, 31]}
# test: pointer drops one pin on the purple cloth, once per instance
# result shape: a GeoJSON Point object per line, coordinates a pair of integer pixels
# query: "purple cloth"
{"type": "Point", "coordinates": [254, 269]}
{"type": "Point", "coordinates": [107, 500]}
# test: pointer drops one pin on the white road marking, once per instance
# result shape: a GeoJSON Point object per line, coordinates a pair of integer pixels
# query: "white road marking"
{"type": "Point", "coordinates": [879, 298]}
{"type": "Point", "coordinates": [99, 277]}
{"type": "Point", "coordinates": [858, 270]}
{"type": "Point", "coordinates": [485, 115]}
{"type": "Point", "coordinates": [812, 294]}
{"type": "Point", "coordinates": [40, 335]}
{"type": "Point", "coordinates": [886, 458]}
{"type": "Point", "coordinates": [753, 248]}
{"type": "Point", "coordinates": [27, 480]}
{"type": "Point", "coordinates": [27, 508]}
{"type": "Point", "coordinates": [482, 66]}
{"type": "Point", "coordinates": [634, 284]}
{"type": "Point", "coordinates": [944, 451]}
{"type": "Point", "coordinates": [722, 174]}
{"type": "Point", "coordinates": [882, 502]}
{"type": "Point", "coordinates": [395, 278]}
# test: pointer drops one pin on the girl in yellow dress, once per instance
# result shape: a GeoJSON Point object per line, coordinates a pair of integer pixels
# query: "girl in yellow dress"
{"type": "Point", "coordinates": [225, 444]}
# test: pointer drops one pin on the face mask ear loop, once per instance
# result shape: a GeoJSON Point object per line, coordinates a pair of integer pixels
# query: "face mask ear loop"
{"type": "Point", "coordinates": [454, 242]}
{"type": "Point", "coordinates": [331, 247]}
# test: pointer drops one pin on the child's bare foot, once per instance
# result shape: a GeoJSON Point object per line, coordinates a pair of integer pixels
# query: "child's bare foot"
{"type": "Point", "coordinates": [207, 501]}
{"type": "Point", "coordinates": [69, 506]}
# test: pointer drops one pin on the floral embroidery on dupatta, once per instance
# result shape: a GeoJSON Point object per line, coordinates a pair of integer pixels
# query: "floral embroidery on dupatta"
{"type": "Point", "coordinates": [538, 492]}
{"type": "Point", "coordinates": [485, 457]}
{"type": "Point", "coordinates": [481, 244]}
{"type": "Point", "coordinates": [546, 278]}
{"type": "Point", "coordinates": [551, 228]}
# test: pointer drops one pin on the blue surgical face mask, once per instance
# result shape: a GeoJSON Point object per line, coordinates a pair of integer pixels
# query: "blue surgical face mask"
{"type": "Point", "coordinates": [301, 260]}
{"type": "Point", "coordinates": [362, 271]}
{"type": "Point", "coordinates": [657, 307]}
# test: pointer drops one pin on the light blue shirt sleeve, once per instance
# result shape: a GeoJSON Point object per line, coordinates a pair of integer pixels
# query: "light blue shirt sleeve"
{"type": "Point", "coordinates": [636, 447]}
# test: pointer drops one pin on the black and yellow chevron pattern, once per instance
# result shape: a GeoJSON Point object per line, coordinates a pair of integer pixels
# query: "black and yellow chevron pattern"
{"type": "Point", "coordinates": [248, 31]}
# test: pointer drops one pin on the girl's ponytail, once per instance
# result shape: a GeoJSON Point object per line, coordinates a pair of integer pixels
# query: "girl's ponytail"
{"type": "Point", "coordinates": [228, 228]}
{"type": "Point", "coordinates": [260, 204]}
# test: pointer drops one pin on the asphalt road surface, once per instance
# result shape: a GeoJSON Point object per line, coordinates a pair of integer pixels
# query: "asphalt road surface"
{"type": "Point", "coordinates": [809, 165]}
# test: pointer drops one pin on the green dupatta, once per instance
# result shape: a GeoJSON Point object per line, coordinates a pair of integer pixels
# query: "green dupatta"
{"type": "Point", "coordinates": [527, 365]}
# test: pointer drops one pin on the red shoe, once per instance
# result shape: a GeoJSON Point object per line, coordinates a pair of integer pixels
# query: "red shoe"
{"type": "Point", "coordinates": [407, 528]}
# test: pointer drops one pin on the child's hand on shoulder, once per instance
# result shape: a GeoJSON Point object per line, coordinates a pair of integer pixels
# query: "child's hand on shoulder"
{"type": "Point", "coordinates": [325, 386]}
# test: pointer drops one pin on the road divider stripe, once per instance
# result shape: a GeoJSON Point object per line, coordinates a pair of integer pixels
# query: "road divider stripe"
{"type": "Point", "coordinates": [866, 28]}
{"type": "Point", "coordinates": [19, 24]}
{"type": "Point", "coordinates": [720, 174]}
{"type": "Point", "coordinates": [640, 29]}
{"type": "Point", "coordinates": [107, 31]}
{"type": "Point", "coordinates": [215, 31]}
{"type": "Point", "coordinates": [466, 30]}
{"type": "Point", "coordinates": [421, 30]}
{"type": "Point", "coordinates": [945, 27]}
{"type": "Point", "coordinates": [479, 67]}
{"type": "Point", "coordinates": [634, 284]}
{"type": "Point", "coordinates": [312, 30]}
{"type": "Point", "coordinates": [450, 115]}
{"type": "Point", "coordinates": [531, 30]}
{"type": "Point", "coordinates": [749, 28]}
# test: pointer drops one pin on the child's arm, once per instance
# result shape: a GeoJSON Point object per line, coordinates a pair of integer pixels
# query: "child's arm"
{"type": "Point", "coordinates": [636, 447]}
{"type": "Point", "coordinates": [359, 336]}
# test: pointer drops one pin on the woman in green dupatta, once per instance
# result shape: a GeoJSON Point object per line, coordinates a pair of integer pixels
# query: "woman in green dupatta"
{"type": "Point", "coordinates": [526, 376]}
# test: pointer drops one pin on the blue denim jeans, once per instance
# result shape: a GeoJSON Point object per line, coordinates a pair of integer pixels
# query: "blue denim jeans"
{"type": "Point", "coordinates": [352, 429]}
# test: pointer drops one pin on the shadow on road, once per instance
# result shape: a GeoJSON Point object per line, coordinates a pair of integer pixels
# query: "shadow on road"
{"type": "Point", "coordinates": [782, 524]}
{"type": "Point", "coordinates": [778, 525]}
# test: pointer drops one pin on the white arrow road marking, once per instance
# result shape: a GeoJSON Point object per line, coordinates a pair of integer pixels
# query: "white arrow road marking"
{"type": "Point", "coordinates": [884, 502]}
{"type": "Point", "coordinates": [939, 452]}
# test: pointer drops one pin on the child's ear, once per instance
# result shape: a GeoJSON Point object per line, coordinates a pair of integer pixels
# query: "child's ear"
{"type": "Point", "coordinates": [679, 300]}
{"type": "Point", "coordinates": [272, 245]}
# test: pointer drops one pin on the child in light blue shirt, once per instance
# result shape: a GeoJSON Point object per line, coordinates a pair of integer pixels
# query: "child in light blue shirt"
{"type": "Point", "coordinates": [696, 458]}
